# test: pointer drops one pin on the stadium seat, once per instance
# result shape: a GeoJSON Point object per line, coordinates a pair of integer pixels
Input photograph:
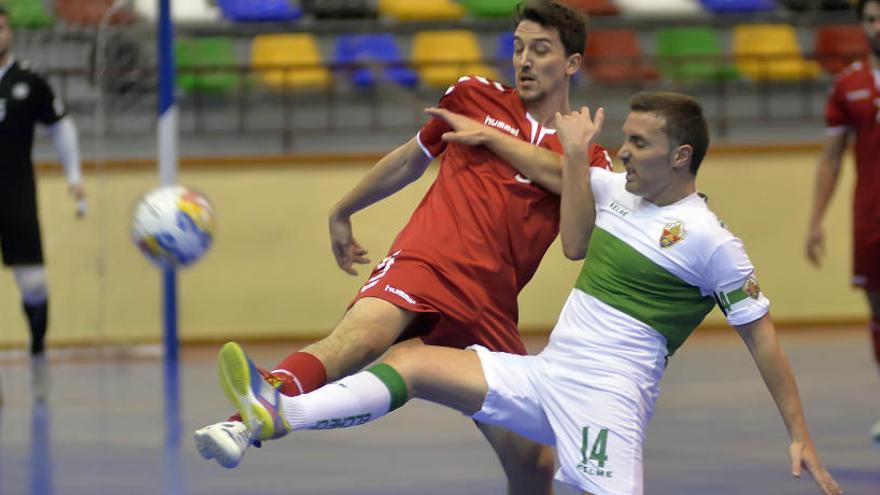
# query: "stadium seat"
{"type": "Point", "coordinates": [29, 14]}
{"type": "Point", "coordinates": [90, 12]}
{"type": "Point", "coordinates": [259, 10]}
{"type": "Point", "coordinates": [441, 57]}
{"type": "Point", "coordinates": [659, 8]}
{"type": "Point", "coordinates": [593, 7]}
{"type": "Point", "coordinates": [490, 8]}
{"type": "Point", "coordinates": [838, 46]}
{"type": "Point", "coordinates": [692, 54]}
{"type": "Point", "coordinates": [181, 10]}
{"type": "Point", "coordinates": [206, 53]}
{"type": "Point", "coordinates": [421, 10]}
{"type": "Point", "coordinates": [504, 57]}
{"type": "Point", "coordinates": [615, 56]}
{"type": "Point", "coordinates": [289, 61]}
{"type": "Point", "coordinates": [379, 49]}
{"type": "Point", "coordinates": [738, 6]}
{"type": "Point", "coordinates": [770, 52]}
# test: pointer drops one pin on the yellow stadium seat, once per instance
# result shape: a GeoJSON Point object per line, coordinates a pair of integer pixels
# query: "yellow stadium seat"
{"type": "Point", "coordinates": [421, 10]}
{"type": "Point", "coordinates": [770, 52]}
{"type": "Point", "coordinates": [441, 57]}
{"type": "Point", "coordinates": [299, 51]}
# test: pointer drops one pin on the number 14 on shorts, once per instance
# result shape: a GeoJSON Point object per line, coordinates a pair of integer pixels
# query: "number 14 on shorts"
{"type": "Point", "coordinates": [593, 458]}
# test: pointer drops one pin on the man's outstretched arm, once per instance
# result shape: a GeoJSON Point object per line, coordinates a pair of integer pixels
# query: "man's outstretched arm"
{"type": "Point", "coordinates": [540, 165]}
{"type": "Point", "coordinates": [760, 337]}
{"type": "Point", "coordinates": [389, 175]}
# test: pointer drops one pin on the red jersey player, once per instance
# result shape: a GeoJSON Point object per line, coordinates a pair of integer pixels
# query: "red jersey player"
{"type": "Point", "coordinates": [854, 107]}
{"type": "Point", "coordinates": [453, 274]}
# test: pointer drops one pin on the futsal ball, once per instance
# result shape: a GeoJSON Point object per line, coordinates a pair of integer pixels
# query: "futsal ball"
{"type": "Point", "coordinates": [173, 226]}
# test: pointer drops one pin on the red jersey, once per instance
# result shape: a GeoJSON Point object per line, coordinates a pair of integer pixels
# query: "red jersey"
{"type": "Point", "coordinates": [854, 105]}
{"type": "Point", "coordinates": [481, 230]}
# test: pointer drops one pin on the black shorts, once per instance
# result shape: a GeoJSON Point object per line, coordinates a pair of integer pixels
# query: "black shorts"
{"type": "Point", "coordinates": [20, 242]}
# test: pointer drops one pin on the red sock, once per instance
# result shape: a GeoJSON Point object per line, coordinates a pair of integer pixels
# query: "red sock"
{"type": "Point", "coordinates": [300, 373]}
{"type": "Point", "coordinates": [306, 373]}
{"type": "Point", "coordinates": [875, 338]}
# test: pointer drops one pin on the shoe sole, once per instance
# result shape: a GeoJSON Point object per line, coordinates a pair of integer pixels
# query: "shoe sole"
{"type": "Point", "coordinates": [236, 373]}
{"type": "Point", "coordinates": [209, 449]}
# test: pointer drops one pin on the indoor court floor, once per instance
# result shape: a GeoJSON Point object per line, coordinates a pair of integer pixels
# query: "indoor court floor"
{"type": "Point", "coordinates": [112, 426]}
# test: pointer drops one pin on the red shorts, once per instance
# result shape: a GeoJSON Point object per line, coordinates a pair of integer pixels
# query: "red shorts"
{"type": "Point", "coordinates": [452, 316]}
{"type": "Point", "coordinates": [866, 259]}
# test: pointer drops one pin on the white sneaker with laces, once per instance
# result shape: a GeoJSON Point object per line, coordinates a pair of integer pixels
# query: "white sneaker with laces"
{"type": "Point", "coordinates": [226, 442]}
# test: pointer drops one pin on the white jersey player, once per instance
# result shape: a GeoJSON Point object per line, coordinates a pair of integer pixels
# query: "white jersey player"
{"type": "Point", "coordinates": [657, 260]}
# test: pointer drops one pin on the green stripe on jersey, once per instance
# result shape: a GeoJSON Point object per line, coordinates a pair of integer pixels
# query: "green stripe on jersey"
{"type": "Point", "coordinates": [625, 279]}
{"type": "Point", "coordinates": [392, 379]}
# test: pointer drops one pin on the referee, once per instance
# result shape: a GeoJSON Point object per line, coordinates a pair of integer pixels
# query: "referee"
{"type": "Point", "coordinates": [25, 99]}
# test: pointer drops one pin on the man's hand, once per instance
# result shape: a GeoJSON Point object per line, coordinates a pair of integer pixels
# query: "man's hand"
{"type": "Point", "coordinates": [346, 250]}
{"type": "Point", "coordinates": [816, 245]}
{"type": "Point", "coordinates": [577, 130]}
{"type": "Point", "coordinates": [78, 195]}
{"type": "Point", "coordinates": [803, 454]}
{"type": "Point", "coordinates": [464, 129]}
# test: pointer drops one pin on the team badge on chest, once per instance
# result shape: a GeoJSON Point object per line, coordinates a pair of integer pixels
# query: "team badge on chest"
{"type": "Point", "coordinates": [672, 234]}
{"type": "Point", "coordinates": [21, 91]}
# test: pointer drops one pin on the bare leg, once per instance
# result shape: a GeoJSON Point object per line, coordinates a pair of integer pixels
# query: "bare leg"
{"type": "Point", "coordinates": [529, 466]}
{"type": "Point", "coordinates": [451, 377]}
{"type": "Point", "coordinates": [874, 304]}
{"type": "Point", "coordinates": [366, 331]}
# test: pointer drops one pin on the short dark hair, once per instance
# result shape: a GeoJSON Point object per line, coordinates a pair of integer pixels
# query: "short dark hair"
{"type": "Point", "coordinates": [3, 11]}
{"type": "Point", "coordinates": [571, 25]}
{"type": "Point", "coordinates": [685, 123]}
{"type": "Point", "coordinates": [860, 7]}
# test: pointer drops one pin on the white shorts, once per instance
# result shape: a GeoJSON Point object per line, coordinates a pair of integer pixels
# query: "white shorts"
{"type": "Point", "coordinates": [594, 410]}
{"type": "Point", "coordinates": [598, 435]}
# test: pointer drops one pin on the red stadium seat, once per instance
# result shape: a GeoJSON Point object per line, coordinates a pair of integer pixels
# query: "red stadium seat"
{"type": "Point", "coordinates": [90, 12]}
{"type": "Point", "coordinates": [615, 56]}
{"type": "Point", "coordinates": [593, 7]}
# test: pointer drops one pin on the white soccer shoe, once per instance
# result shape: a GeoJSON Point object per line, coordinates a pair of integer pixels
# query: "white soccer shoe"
{"type": "Point", "coordinates": [875, 432]}
{"type": "Point", "coordinates": [226, 442]}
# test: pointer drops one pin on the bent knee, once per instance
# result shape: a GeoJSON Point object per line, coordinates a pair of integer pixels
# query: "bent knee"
{"type": "Point", "coordinates": [31, 280]}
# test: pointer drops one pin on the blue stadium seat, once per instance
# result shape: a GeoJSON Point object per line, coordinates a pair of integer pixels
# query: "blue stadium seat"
{"type": "Point", "coordinates": [259, 10]}
{"type": "Point", "coordinates": [504, 55]}
{"type": "Point", "coordinates": [379, 48]}
{"type": "Point", "coordinates": [738, 6]}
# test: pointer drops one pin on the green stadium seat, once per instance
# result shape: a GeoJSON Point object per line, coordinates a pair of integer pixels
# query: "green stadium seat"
{"type": "Point", "coordinates": [205, 53]}
{"type": "Point", "coordinates": [692, 54]}
{"type": "Point", "coordinates": [490, 8]}
{"type": "Point", "coordinates": [29, 14]}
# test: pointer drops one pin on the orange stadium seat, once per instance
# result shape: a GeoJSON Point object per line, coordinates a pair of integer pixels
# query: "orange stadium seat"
{"type": "Point", "coordinates": [421, 10]}
{"type": "Point", "coordinates": [270, 53]}
{"type": "Point", "coordinates": [615, 56]}
{"type": "Point", "coordinates": [770, 52]}
{"type": "Point", "coordinates": [838, 46]}
{"type": "Point", "coordinates": [593, 7]}
{"type": "Point", "coordinates": [441, 57]}
{"type": "Point", "coordinates": [90, 12]}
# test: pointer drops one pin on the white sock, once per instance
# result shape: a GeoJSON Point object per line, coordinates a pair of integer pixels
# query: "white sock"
{"type": "Point", "coordinates": [352, 401]}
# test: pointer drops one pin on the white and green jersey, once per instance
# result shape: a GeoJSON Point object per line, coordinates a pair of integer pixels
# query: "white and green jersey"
{"type": "Point", "coordinates": [660, 269]}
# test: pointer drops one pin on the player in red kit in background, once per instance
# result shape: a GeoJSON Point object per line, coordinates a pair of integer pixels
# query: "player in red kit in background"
{"type": "Point", "coordinates": [854, 108]}
{"type": "Point", "coordinates": [452, 275]}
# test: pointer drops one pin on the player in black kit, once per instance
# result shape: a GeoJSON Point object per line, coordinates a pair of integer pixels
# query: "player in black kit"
{"type": "Point", "coordinates": [25, 99]}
